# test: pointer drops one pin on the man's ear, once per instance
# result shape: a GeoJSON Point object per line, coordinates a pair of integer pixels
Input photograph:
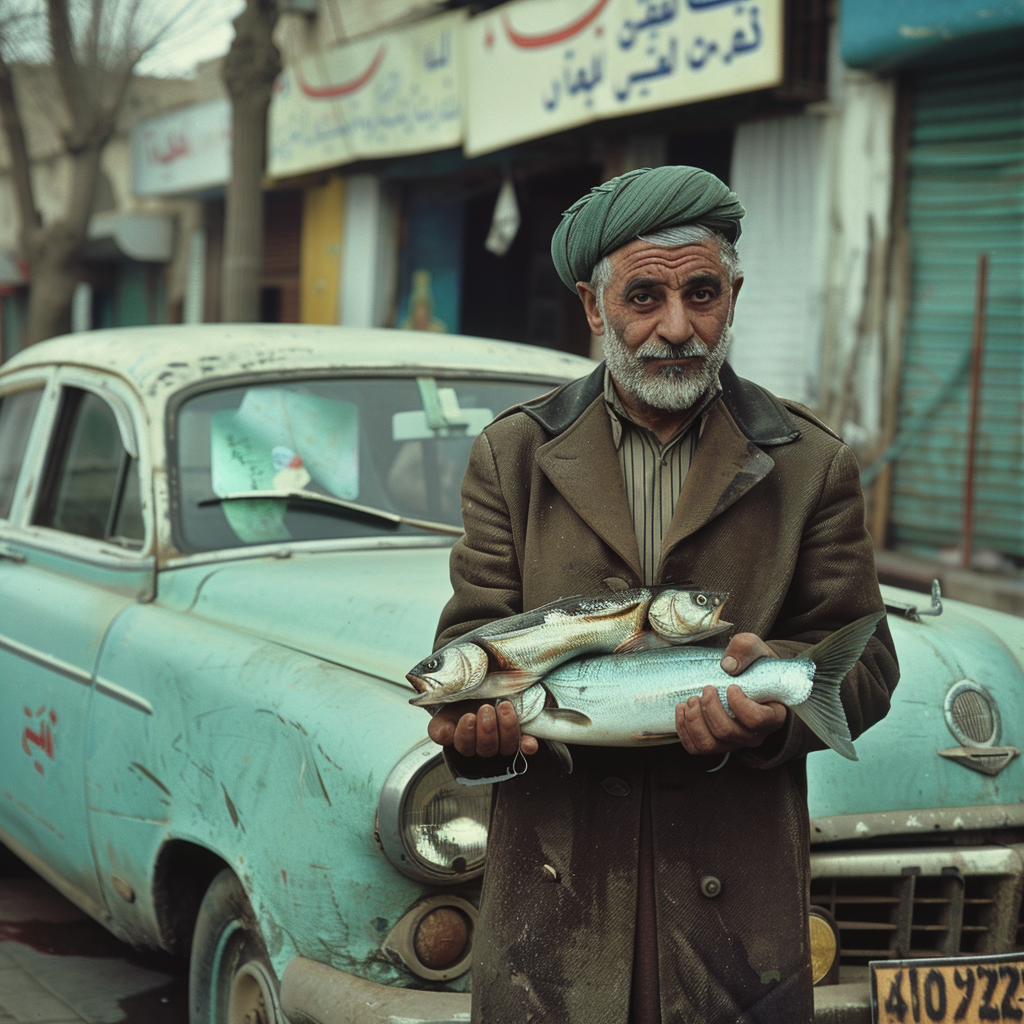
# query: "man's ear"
{"type": "Point", "coordinates": [737, 284]}
{"type": "Point", "coordinates": [589, 299]}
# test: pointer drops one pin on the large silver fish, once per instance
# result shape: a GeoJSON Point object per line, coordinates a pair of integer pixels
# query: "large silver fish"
{"type": "Point", "coordinates": [630, 700]}
{"type": "Point", "coordinates": [503, 657]}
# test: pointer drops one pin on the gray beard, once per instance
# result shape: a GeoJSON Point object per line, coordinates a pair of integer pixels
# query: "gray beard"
{"type": "Point", "coordinates": [675, 388]}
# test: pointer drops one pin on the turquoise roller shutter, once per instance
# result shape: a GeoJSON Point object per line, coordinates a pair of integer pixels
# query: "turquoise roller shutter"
{"type": "Point", "coordinates": [965, 196]}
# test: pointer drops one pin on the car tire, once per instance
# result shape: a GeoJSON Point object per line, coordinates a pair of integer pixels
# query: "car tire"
{"type": "Point", "coordinates": [230, 978]}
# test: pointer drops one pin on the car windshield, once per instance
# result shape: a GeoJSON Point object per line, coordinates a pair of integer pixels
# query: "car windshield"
{"type": "Point", "coordinates": [322, 459]}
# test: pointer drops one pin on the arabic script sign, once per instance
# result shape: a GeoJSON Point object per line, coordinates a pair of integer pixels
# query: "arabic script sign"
{"type": "Point", "coordinates": [183, 151]}
{"type": "Point", "coordinates": [384, 95]}
{"type": "Point", "coordinates": [536, 67]}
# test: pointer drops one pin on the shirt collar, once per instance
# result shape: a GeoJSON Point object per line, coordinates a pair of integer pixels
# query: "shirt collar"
{"type": "Point", "coordinates": [618, 415]}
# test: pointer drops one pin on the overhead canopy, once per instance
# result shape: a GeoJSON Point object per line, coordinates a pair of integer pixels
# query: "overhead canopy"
{"type": "Point", "coordinates": [139, 236]}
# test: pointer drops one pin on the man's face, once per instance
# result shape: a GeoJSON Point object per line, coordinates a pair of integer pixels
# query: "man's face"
{"type": "Point", "coordinates": [665, 319]}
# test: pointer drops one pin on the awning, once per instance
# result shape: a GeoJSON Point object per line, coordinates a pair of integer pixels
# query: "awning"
{"type": "Point", "coordinates": [139, 236]}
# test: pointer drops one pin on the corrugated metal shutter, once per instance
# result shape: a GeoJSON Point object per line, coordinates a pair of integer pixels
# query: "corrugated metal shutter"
{"type": "Point", "coordinates": [965, 196]}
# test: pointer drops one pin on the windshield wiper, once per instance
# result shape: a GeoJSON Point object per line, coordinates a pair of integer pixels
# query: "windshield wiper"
{"type": "Point", "coordinates": [338, 504]}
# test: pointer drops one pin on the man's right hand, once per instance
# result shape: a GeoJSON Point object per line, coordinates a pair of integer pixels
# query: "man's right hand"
{"type": "Point", "coordinates": [480, 730]}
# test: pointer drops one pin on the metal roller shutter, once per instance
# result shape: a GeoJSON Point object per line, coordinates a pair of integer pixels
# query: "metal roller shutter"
{"type": "Point", "coordinates": [965, 196]}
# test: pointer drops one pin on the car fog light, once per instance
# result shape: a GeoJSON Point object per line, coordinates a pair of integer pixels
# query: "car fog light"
{"type": "Point", "coordinates": [824, 934]}
{"type": "Point", "coordinates": [441, 938]}
{"type": "Point", "coordinates": [430, 828]}
{"type": "Point", "coordinates": [435, 938]}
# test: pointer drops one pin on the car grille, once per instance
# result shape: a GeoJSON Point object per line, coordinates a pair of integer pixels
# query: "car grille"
{"type": "Point", "coordinates": [921, 903]}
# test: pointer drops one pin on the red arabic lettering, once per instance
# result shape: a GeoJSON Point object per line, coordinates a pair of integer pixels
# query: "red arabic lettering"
{"type": "Point", "coordinates": [521, 39]}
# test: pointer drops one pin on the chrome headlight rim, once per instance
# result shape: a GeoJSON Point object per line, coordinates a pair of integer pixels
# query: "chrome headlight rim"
{"type": "Point", "coordinates": [400, 783]}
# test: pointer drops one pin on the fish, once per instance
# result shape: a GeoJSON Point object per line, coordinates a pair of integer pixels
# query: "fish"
{"type": "Point", "coordinates": [507, 655]}
{"type": "Point", "coordinates": [629, 700]}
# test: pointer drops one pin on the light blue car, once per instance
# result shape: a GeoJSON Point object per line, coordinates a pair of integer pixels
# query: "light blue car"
{"type": "Point", "coordinates": [222, 548]}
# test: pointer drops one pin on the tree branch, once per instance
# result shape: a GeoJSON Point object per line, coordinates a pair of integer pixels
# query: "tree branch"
{"type": "Point", "coordinates": [14, 134]}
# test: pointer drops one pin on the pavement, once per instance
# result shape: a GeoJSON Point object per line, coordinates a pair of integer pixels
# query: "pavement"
{"type": "Point", "coordinates": [58, 966]}
{"type": "Point", "coordinates": [1002, 588]}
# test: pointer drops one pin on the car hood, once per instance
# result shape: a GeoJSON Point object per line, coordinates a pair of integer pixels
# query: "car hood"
{"type": "Point", "coordinates": [901, 784]}
{"type": "Point", "coordinates": [375, 611]}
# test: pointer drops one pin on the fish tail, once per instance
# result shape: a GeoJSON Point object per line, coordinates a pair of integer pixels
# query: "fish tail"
{"type": "Point", "coordinates": [833, 657]}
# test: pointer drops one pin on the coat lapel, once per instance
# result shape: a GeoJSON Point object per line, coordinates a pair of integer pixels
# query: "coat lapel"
{"type": "Point", "coordinates": [725, 466]}
{"type": "Point", "coordinates": [583, 465]}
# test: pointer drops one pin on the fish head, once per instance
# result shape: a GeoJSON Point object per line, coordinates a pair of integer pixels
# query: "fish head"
{"type": "Point", "coordinates": [679, 614]}
{"type": "Point", "coordinates": [451, 673]}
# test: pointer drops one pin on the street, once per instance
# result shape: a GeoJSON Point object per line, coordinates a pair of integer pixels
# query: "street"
{"type": "Point", "coordinates": [58, 966]}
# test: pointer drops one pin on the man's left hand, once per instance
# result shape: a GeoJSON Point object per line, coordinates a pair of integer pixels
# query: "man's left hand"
{"type": "Point", "coordinates": [702, 723]}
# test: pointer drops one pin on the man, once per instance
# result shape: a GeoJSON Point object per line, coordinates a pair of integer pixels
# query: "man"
{"type": "Point", "coordinates": [668, 884]}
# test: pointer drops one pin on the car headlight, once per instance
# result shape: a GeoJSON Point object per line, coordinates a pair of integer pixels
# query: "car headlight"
{"type": "Point", "coordinates": [430, 828]}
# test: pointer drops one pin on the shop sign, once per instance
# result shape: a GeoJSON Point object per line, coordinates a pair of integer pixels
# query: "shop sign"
{"type": "Point", "coordinates": [185, 151]}
{"type": "Point", "coordinates": [537, 67]}
{"type": "Point", "coordinates": [386, 95]}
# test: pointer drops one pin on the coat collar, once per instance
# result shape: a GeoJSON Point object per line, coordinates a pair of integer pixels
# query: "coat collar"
{"type": "Point", "coordinates": [581, 461]}
{"type": "Point", "coordinates": [761, 417]}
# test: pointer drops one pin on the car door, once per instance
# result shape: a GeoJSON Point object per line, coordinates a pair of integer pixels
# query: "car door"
{"type": "Point", "coordinates": [73, 555]}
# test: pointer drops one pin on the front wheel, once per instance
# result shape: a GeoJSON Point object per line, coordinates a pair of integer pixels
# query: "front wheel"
{"type": "Point", "coordinates": [230, 978]}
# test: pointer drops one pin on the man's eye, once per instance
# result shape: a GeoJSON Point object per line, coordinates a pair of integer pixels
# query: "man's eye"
{"type": "Point", "coordinates": [643, 298]}
{"type": "Point", "coordinates": [703, 295]}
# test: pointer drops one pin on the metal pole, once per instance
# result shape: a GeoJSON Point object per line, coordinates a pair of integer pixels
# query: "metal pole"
{"type": "Point", "coordinates": [978, 343]}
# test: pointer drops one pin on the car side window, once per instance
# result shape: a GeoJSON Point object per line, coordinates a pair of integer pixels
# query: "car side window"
{"type": "Point", "coordinates": [17, 413]}
{"type": "Point", "coordinates": [91, 483]}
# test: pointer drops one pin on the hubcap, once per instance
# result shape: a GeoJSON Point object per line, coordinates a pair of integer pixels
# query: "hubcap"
{"type": "Point", "coordinates": [252, 999]}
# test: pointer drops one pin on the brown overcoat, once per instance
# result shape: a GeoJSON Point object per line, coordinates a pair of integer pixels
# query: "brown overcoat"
{"type": "Point", "coordinates": [772, 512]}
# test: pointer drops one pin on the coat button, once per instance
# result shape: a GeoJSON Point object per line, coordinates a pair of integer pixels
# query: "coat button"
{"type": "Point", "coordinates": [615, 786]}
{"type": "Point", "coordinates": [710, 886]}
{"type": "Point", "coordinates": [550, 873]}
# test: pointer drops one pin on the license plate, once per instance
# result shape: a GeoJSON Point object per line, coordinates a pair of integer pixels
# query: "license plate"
{"type": "Point", "coordinates": [953, 990]}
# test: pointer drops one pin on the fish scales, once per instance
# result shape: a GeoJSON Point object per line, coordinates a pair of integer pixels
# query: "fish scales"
{"type": "Point", "coordinates": [507, 655]}
{"type": "Point", "coordinates": [630, 700]}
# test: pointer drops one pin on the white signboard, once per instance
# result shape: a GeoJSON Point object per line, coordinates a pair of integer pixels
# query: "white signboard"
{"type": "Point", "coordinates": [185, 151]}
{"type": "Point", "coordinates": [536, 67]}
{"type": "Point", "coordinates": [385, 95]}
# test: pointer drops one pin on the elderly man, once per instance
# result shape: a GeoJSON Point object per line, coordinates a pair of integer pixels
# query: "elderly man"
{"type": "Point", "coordinates": [658, 885]}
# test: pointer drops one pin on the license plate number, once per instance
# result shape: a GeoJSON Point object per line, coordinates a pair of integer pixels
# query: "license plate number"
{"type": "Point", "coordinates": [954, 990]}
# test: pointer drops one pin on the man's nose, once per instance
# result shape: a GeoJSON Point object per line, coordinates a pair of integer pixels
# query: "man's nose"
{"type": "Point", "coordinates": [675, 326]}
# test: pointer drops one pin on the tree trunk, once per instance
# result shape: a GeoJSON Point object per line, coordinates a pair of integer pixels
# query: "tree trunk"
{"type": "Point", "coordinates": [250, 68]}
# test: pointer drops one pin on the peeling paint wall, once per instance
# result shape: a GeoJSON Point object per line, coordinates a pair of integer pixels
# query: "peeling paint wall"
{"type": "Point", "coordinates": [811, 321]}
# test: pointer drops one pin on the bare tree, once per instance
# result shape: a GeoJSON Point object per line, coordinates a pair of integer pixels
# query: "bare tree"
{"type": "Point", "coordinates": [250, 69]}
{"type": "Point", "coordinates": [92, 48]}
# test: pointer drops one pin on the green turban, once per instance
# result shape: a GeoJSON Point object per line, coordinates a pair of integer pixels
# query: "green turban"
{"type": "Point", "coordinates": [635, 203]}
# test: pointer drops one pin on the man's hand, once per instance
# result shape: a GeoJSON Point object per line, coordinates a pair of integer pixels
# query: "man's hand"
{"type": "Point", "coordinates": [702, 723]}
{"type": "Point", "coordinates": [480, 730]}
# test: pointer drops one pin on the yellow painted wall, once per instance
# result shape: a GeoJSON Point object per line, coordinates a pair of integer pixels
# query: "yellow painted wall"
{"type": "Point", "coordinates": [322, 212]}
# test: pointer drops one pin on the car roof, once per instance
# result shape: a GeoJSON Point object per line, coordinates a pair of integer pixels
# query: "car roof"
{"type": "Point", "coordinates": [158, 361]}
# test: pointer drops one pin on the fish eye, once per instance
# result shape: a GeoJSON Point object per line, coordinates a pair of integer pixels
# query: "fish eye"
{"type": "Point", "coordinates": [701, 599]}
{"type": "Point", "coordinates": [432, 663]}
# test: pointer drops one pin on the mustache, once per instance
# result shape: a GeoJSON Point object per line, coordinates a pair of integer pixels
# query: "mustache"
{"type": "Point", "coordinates": [692, 349]}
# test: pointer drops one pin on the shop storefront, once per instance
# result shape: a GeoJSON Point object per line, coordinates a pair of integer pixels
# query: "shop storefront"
{"type": "Point", "coordinates": [962, 85]}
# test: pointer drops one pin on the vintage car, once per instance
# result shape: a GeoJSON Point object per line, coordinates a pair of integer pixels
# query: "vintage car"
{"type": "Point", "coordinates": [222, 548]}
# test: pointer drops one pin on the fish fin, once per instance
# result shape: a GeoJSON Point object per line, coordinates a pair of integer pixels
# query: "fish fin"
{"type": "Point", "coordinates": [654, 737]}
{"type": "Point", "coordinates": [647, 640]}
{"type": "Point", "coordinates": [570, 715]}
{"type": "Point", "coordinates": [833, 657]}
{"type": "Point", "coordinates": [561, 751]}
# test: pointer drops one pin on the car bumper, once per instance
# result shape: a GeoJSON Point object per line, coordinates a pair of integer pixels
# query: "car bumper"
{"type": "Point", "coordinates": [845, 1003]}
{"type": "Point", "coordinates": [313, 993]}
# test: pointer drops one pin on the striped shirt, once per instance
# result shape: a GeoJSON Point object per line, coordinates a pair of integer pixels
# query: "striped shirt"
{"type": "Point", "coordinates": [652, 472]}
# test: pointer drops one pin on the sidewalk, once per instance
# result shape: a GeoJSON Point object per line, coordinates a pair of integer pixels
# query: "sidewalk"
{"type": "Point", "coordinates": [57, 966]}
{"type": "Point", "coordinates": [1002, 591]}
